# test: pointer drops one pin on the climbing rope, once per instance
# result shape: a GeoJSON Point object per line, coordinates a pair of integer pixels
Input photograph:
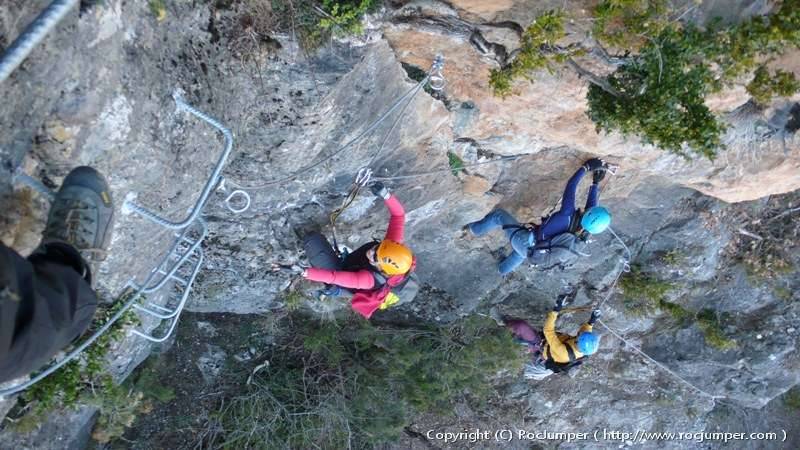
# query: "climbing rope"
{"type": "Point", "coordinates": [362, 179]}
{"type": "Point", "coordinates": [662, 366]}
{"type": "Point", "coordinates": [625, 269]}
{"type": "Point", "coordinates": [408, 96]}
{"type": "Point", "coordinates": [450, 170]}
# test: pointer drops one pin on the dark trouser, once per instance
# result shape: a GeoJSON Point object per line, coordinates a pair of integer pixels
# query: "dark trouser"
{"type": "Point", "coordinates": [320, 252]}
{"type": "Point", "coordinates": [46, 301]}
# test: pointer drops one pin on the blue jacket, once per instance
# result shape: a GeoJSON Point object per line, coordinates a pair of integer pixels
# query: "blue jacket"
{"type": "Point", "coordinates": [560, 221]}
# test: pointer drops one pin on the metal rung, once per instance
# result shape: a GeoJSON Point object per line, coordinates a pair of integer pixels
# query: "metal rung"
{"type": "Point", "coordinates": [175, 315]}
{"type": "Point", "coordinates": [158, 307]}
{"type": "Point", "coordinates": [172, 313]}
{"type": "Point", "coordinates": [183, 259]}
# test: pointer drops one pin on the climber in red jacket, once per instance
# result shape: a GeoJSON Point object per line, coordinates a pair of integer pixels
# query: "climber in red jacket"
{"type": "Point", "coordinates": [371, 271]}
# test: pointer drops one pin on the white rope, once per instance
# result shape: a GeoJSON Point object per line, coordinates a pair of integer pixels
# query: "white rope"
{"type": "Point", "coordinates": [662, 366]}
{"type": "Point", "coordinates": [626, 267]}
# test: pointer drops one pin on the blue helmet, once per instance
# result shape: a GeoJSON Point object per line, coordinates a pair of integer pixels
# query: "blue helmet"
{"type": "Point", "coordinates": [596, 219]}
{"type": "Point", "coordinates": [588, 342]}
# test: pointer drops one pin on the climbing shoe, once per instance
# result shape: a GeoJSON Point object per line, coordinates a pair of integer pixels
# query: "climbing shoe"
{"type": "Point", "coordinates": [330, 291]}
{"type": "Point", "coordinates": [82, 214]}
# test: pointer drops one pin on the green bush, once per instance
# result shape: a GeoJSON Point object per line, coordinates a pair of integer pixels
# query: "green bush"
{"type": "Point", "coordinates": [533, 54]}
{"type": "Point", "coordinates": [331, 386]}
{"type": "Point", "coordinates": [792, 399]}
{"type": "Point", "coordinates": [626, 23]}
{"type": "Point", "coordinates": [344, 16]}
{"type": "Point", "coordinates": [77, 379]}
{"type": "Point", "coordinates": [666, 70]}
{"type": "Point", "coordinates": [456, 163]}
{"type": "Point", "coordinates": [766, 86]}
{"type": "Point", "coordinates": [642, 293]}
{"type": "Point", "coordinates": [708, 322]}
{"type": "Point", "coordinates": [158, 9]}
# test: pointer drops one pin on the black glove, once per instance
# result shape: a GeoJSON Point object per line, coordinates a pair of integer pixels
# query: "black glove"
{"type": "Point", "coordinates": [560, 303]}
{"type": "Point", "coordinates": [593, 164]}
{"type": "Point", "coordinates": [379, 190]}
{"type": "Point", "coordinates": [598, 176]}
{"type": "Point", "coordinates": [595, 315]}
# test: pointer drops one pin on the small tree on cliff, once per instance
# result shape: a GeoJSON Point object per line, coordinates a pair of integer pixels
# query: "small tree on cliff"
{"type": "Point", "coordinates": [666, 68]}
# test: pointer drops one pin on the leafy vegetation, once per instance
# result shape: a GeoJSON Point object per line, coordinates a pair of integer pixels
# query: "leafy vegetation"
{"type": "Point", "coordinates": [344, 17]}
{"type": "Point", "coordinates": [665, 69]}
{"type": "Point", "coordinates": [673, 258]}
{"type": "Point", "coordinates": [642, 293]}
{"type": "Point", "coordinates": [538, 42]}
{"type": "Point", "coordinates": [765, 86]}
{"type": "Point", "coordinates": [158, 9]}
{"type": "Point", "coordinates": [83, 378]}
{"type": "Point", "coordinates": [330, 386]}
{"type": "Point", "coordinates": [455, 162]}
{"type": "Point", "coordinates": [645, 295]}
{"type": "Point", "coordinates": [314, 22]}
{"type": "Point", "coordinates": [712, 331]}
{"type": "Point", "coordinates": [792, 399]}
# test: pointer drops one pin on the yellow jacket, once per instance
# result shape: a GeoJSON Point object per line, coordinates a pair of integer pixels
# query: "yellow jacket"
{"type": "Point", "coordinates": [555, 346]}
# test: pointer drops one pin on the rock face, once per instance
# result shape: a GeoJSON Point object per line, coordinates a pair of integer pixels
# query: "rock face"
{"type": "Point", "coordinates": [288, 110]}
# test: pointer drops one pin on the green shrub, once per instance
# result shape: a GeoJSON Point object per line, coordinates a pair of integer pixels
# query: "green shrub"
{"type": "Point", "coordinates": [456, 163]}
{"type": "Point", "coordinates": [627, 23]}
{"type": "Point", "coordinates": [158, 9]}
{"type": "Point", "coordinates": [708, 322]}
{"type": "Point", "coordinates": [661, 98]}
{"type": "Point", "coordinates": [75, 380]}
{"type": "Point", "coordinates": [766, 86]}
{"type": "Point", "coordinates": [666, 70]}
{"type": "Point", "coordinates": [331, 386]}
{"type": "Point", "coordinates": [642, 293]}
{"type": "Point", "coordinates": [792, 398]}
{"type": "Point", "coordinates": [344, 16]}
{"type": "Point", "coordinates": [533, 54]}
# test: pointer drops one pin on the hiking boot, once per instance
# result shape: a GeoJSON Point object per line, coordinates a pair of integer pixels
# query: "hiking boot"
{"type": "Point", "coordinates": [82, 214]}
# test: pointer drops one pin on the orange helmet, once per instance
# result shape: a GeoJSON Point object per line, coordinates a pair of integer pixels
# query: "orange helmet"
{"type": "Point", "coordinates": [394, 258]}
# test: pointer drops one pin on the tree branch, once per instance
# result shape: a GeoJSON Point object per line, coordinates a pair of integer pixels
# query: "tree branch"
{"type": "Point", "coordinates": [593, 78]}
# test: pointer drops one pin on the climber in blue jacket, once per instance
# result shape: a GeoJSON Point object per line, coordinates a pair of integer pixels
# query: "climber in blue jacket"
{"type": "Point", "coordinates": [566, 226]}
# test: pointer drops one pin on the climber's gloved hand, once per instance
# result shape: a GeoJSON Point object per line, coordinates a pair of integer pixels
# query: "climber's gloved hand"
{"type": "Point", "coordinates": [593, 164]}
{"type": "Point", "coordinates": [290, 269]}
{"type": "Point", "coordinates": [379, 190]}
{"type": "Point", "coordinates": [598, 175]}
{"type": "Point", "coordinates": [560, 303]}
{"type": "Point", "coordinates": [595, 315]}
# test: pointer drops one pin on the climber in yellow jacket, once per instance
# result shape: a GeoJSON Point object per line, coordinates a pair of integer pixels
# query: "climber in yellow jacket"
{"type": "Point", "coordinates": [552, 352]}
{"type": "Point", "coordinates": [563, 348]}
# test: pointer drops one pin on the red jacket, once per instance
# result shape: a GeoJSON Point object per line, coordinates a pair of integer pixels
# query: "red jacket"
{"type": "Point", "coordinates": [363, 279]}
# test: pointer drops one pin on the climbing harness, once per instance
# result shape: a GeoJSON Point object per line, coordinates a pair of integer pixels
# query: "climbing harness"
{"type": "Point", "coordinates": [33, 35]}
{"type": "Point", "coordinates": [174, 273]}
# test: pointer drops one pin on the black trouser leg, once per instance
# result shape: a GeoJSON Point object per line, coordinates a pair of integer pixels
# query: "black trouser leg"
{"type": "Point", "coordinates": [46, 301]}
{"type": "Point", "coordinates": [320, 252]}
